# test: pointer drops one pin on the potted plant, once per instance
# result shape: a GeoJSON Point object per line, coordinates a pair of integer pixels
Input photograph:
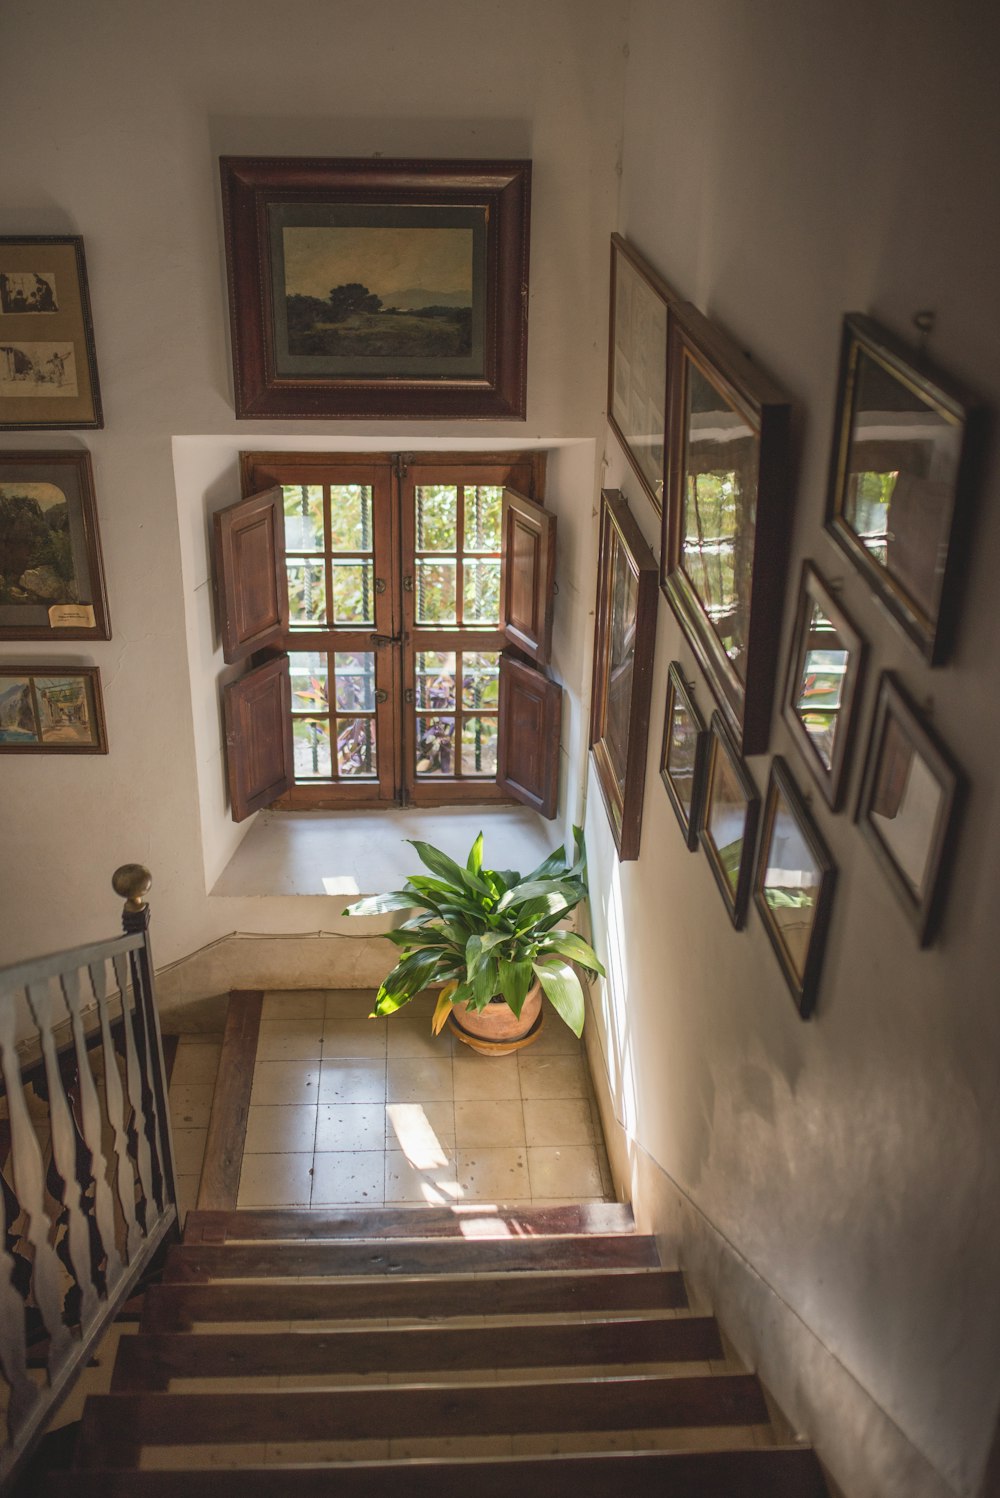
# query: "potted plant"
{"type": "Point", "coordinates": [491, 938]}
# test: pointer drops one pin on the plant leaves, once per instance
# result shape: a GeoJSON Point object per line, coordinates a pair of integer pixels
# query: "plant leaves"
{"type": "Point", "coordinates": [562, 989]}
{"type": "Point", "coordinates": [486, 982]}
{"type": "Point", "coordinates": [475, 862]}
{"type": "Point", "coordinates": [568, 944]}
{"type": "Point", "coordinates": [381, 904]}
{"type": "Point", "coordinates": [442, 1008]}
{"type": "Point", "coordinates": [533, 889]}
{"type": "Point", "coordinates": [447, 869]}
{"type": "Point", "coordinates": [513, 981]}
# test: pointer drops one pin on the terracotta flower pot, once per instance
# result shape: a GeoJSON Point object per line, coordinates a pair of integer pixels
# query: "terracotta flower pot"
{"type": "Point", "coordinates": [496, 1030]}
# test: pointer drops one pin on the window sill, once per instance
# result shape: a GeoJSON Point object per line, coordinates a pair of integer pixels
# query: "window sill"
{"type": "Point", "coordinates": [354, 853]}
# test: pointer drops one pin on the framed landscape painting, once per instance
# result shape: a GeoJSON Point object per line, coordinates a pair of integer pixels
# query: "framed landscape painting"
{"type": "Point", "coordinates": [51, 710]}
{"type": "Point", "coordinates": [370, 288]}
{"type": "Point", "coordinates": [48, 369]}
{"type": "Point", "coordinates": [637, 364]}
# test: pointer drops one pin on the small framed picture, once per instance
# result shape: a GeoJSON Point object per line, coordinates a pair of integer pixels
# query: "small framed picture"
{"type": "Point", "coordinates": [684, 755]}
{"type": "Point", "coordinates": [51, 710]}
{"type": "Point", "coordinates": [48, 368]}
{"type": "Point", "coordinates": [824, 674]}
{"type": "Point", "coordinates": [909, 805]}
{"type": "Point", "coordinates": [729, 820]}
{"type": "Point", "coordinates": [793, 886]}
{"type": "Point", "coordinates": [637, 364]}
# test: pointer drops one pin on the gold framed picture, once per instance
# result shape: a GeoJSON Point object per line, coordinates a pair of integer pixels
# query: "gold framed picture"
{"type": "Point", "coordinates": [48, 369]}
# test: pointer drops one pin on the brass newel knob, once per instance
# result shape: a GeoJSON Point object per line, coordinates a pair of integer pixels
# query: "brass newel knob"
{"type": "Point", "coordinates": [132, 881]}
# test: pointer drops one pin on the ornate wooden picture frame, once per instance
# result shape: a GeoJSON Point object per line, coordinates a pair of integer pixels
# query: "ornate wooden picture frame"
{"type": "Point", "coordinates": [730, 808]}
{"type": "Point", "coordinates": [684, 755]}
{"type": "Point", "coordinates": [637, 364]}
{"type": "Point", "coordinates": [51, 709]}
{"type": "Point", "coordinates": [825, 670]}
{"type": "Point", "coordinates": [48, 367]}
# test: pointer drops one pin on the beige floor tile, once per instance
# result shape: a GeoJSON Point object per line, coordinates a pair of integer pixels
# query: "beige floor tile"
{"type": "Point", "coordinates": [191, 1105]}
{"type": "Point", "coordinates": [280, 1129]}
{"type": "Point", "coordinates": [195, 1063]}
{"type": "Point", "coordinates": [565, 1201]}
{"type": "Point", "coordinates": [493, 1174]}
{"type": "Point", "coordinates": [293, 1004]}
{"type": "Point", "coordinates": [411, 1036]}
{"type": "Point", "coordinates": [189, 1150]}
{"type": "Point", "coordinates": [481, 1078]}
{"type": "Point", "coordinates": [414, 1126]}
{"type": "Point", "coordinates": [552, 1076]}
{"type": "Point", "coordinates": [354, 1038]}
{"type": "Point", "coordinates": [555, 1038]}
{"type": "Point", "coordinates": [564, 1170]}
{"type": "Point", "coordinates": [275, 1181]}
{"type": "Point", "coordinates": [552, 1121]}
{"type": "Point", "coordinates": [290, 1040]}
{"type": "Point", "coordinates": [276, 1082]}
{"type": "Point", "coordinates": [419, 1081]}
{"type": "Point", "coordinates": [496, 1123]}
{"type": "Point", "coordinates": [348, 1176]}
{"type": "Point", "coordinates": [352, 1082]}
{"type": "Point", "coordinates": [349, 1003]}
{"type": "Point", "coordinates": [350, 1126]}
{"type": "Point", "coordinates": [428, 1178]}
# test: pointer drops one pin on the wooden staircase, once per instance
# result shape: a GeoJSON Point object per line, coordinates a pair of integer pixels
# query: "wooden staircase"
{"type": "Point", "coordinates": [375, 1352]}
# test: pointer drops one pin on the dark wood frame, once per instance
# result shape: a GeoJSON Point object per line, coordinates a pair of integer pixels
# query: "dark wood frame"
{"type": "Point", "coordinates": [690, 823]}
{"type": "Point", "coordinates": [250, 185]}
{"type": "Point", "coordinates": [693, 340]}
{"type": "Point", "coordinates": [91, 674]}
{"type": "Point", "coordinates": [893, 703]}
{"type": "Point", "coordinates": [77, 319]}
{"type": "Point", "coordinates": [932, 635]}
{"type": "Point", "coordinates": [803, 986]}
{"type": "Point", "coordinates": [813, 590]}
{"type": "Point", "coordinates": [621, 537]}
{"type": "Point", "coordinates": [659, 289]}
{"type": "Point", "coordinates": [721, 742]}
{"type": "Point", "coordinates": [49, 465]}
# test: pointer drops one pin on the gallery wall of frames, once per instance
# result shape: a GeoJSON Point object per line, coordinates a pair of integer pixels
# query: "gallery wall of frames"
{"type": "Point", "coordinates": [707, 435]}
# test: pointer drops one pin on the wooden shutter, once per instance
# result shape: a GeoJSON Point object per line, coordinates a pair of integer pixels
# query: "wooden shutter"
{"type": "Point", "coordinates": [250, 584]}
{"type": "Point", "coordinates": [530, 723]}
{"type": "Point", "coordinates": [257, 712]}
{"type": "Point", "coordinates": [527, 575]}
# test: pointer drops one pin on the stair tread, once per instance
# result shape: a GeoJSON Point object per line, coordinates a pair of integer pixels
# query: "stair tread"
{"type": "Point", "coordinates": [406, 1222]}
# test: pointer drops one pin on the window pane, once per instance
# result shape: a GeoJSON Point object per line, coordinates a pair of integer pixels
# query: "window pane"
{"type": "Point", "coordinates": [435, 746]}
{"type": "Point", "coordinates": [309, 681]}
{"type": "Point", "coordinates": [479, 746]}
{"type": "Point", "coordinates": [436, 592]}
{"type": "Point", "coordinates": [306, 593]}
{"type": "Point", "coordinates": [303, 517]}
{"type": "Point", "coordinates": [356, 747]}
{"type": "Point", "coordinates": [435, 680]}
{"type": "Point", "coordinates": [483, 507]}
{"type": "Point", "coordinates": [437, 517]}
{"type": "Point", "coordinates": [350, 517]}
{"type": "Point", "coordinates": [311, 747]}
{"type": "Point", "coordinates": [480, 678]}
{"type": "Point", "coordinates": [355, 670]}
{"type": "Point", "coordinates": [482, 592]}
{"type": "Point", "coordinates": [353, 593]}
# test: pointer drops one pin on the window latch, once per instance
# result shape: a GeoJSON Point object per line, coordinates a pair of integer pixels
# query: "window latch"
{"type": "Point", "coordinates": [381, 696]}
{"type": "Point", "coordinates": [379, 640]}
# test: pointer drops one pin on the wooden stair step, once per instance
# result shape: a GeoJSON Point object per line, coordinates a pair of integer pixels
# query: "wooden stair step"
{"type": "Point", "coordinates": [408, 1222]}
{"type": "Point", "coordinates": [175, 1307]}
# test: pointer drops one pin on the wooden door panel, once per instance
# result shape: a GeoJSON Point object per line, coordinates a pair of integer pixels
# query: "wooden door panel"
{"type": "Point", "coordinates": [529, 748]}
{"type": "Point", "coordinates": [257, 712]}
{"type": "Point", "coordinates": [251, 588]}
{"type": "Point", "coordinates": [527, 575]}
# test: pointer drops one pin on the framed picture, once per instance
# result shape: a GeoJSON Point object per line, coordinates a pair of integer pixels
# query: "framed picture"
{"type": "Point", "coordinates": [909, 805]}
{"type": "Point", "coordinates": [824, 674]}
{"type": "Point", "coordinates": [726, 519]}
{"type": "Point", "coordinates": [369, 288]}
{"type": "Point", "coordinates": [51, 577]}
{"type": "Point", "coordinates": [48, 369]}
{"type": "Point", "coordinates": [51, 709]}
{"type": "Point", "coordinates": [793, 886]}
{"type": "Point", "coordinates": [623, 668]}
{"type": "Point", "coordinates": [637, 364]}
{"type": "Point", "coordinates": [729, 820]}
{"type": "Point", "coordinates": [906, 440]}
{"type": "Point", "coordinates": [684, 755]}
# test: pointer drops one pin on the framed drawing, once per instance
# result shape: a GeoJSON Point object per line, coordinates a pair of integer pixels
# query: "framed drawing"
{"type": "Point", "coordinates": [793, 886]}
{"type": "Point", "coordinates": [909, 805]}
{"type": "Point", "coordinates": [726, 518]}
{"type": "Point", "coordinates": [904, 449]}
{"type": "Point", "coordinates": [729, 820]}
{"type": "Point", "coordinates": [683, 756]}
{"type": "Point", "coordinates": [623, 668]}
{"type": "Point", "coordinates": [51, 709]}
{"type": "Point", "coordinates": [370, 288]}
{"type": "Point", "coordinates": [51, 576]}
{"type": "Point", "coordinates": [48, 369]}
{"type": "Point", "coordinates": [637, 364]}
{"type": "Point", "coordinates": [824, 675]}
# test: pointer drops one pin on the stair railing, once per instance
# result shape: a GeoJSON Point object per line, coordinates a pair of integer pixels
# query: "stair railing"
{"type": "Point", "coordinates": [87, 1191]}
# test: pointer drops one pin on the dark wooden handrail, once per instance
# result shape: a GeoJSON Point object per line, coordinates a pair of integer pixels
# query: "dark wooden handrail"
{"type": "Point", "coordinates": [87, 1192]}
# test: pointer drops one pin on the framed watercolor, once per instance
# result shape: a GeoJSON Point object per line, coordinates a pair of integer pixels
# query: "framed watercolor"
{"type": "Point", "coordinates": [684, 755]}
{"type": "Point", "coordinates": [906, 443]}
{"type": "Point", "coordinates": [729, 820]}
{"type": "Point", "coordinates": [370, 288]}
{"type": "Point", "coordinates": [49, 709]}
{"type": "Point", "coordinates": [909, 805]}
{"type": "Point", "coordinates": [726, 519]}
{"type": "Point", "coordinates": [51, 575]}
{"type": "Point", "coordinates": [793, 886]}
{"type": "Point", "coordinates": [637, 364]}
{"type": "Point", "coordinates": [825, 669]}
{"type": "Point", "coordinates": [623, 669]}
{"type": "Point", "coordinates": [48, 368]}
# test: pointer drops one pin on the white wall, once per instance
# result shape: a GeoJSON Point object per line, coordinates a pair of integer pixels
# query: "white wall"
{"type": "Point", "coordinates": [785, 163]}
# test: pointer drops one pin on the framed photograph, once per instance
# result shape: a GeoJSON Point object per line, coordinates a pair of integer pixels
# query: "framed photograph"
{"type": "Point", "coordinates": [729, 820]}
{"type": "Point", "coordinates": [906, 441]}
{"type": "Point", "coordinates": [369, 288]}
{"type": "Point", "coordinates": [625, 633]}
{"type": "Point", "coordinates": [684, 755]}
{"type": "Point", "coordinates": [48, 369]}
{"type": "Point", "coordinates": [727, 518]}
{"type": "Point", "coordinates": [51, 710]}
{"type": "Point", "coordinates": [909, 805]}
{"type": "Point", "coordinates": [793, 886]}
{"type": "Point", "coordinates": [824, 674]}
{"type": "Point", "coordinates": [51, 576]}
{"type": "Point", "coordinates": [637, 364]}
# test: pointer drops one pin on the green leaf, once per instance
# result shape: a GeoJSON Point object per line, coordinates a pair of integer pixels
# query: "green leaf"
{"type": "Point", "coordinates": [446, 868]}
{"type": "Point", "coordinates": [567, 944]}
{"type": "Point", "coordinates": [513, 981]}
{"type": "Point", "coordinates": [562, 989]}
{"type": "Point", "coordinates": [532, 889]}
{"type": "Point", "coordinates": [381, 904]}
{"type": "Point", "coordinates": [475, 862]}
{"type": "Point", "coordinates": [406, 979]}
{"type": "Point", "coordinates": [547, 907]}
{"type": "Point", "coordinates": [409, 937]}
